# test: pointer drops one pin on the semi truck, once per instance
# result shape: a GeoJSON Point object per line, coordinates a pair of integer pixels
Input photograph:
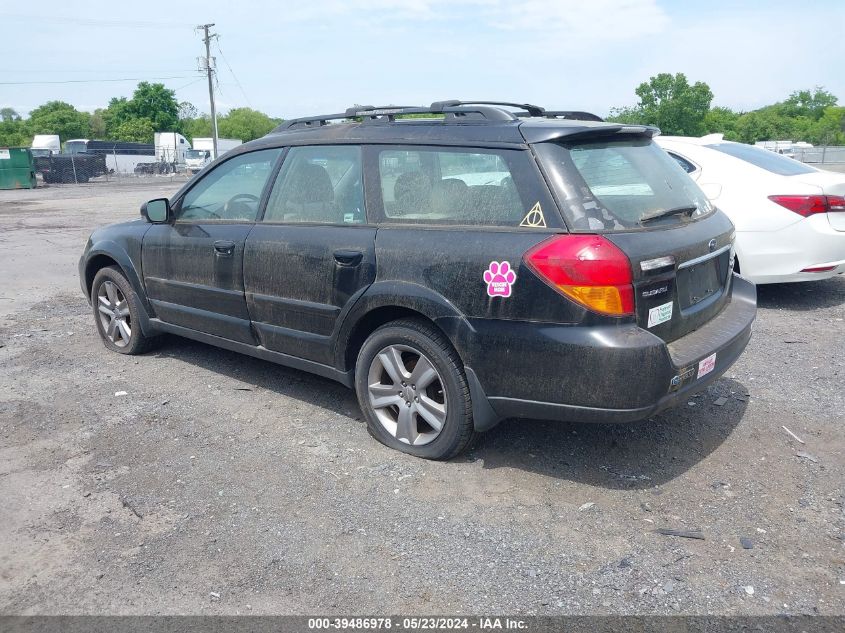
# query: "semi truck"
{"type": "Point", "coordinates": [46, 145]}
{"type": "Point", "coordinates": [203, 148]}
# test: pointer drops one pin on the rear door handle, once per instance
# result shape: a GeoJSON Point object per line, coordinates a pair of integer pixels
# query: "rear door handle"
{"type": "Point", "coordinates": [224, 248]}
{"type": "Point", "coordinates": [348, 258]}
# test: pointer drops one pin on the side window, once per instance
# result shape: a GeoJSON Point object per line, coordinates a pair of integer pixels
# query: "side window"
{"type": "Point", "coordinates": [320, 184]}
{"type": "Point", "coordinates": [232, 190]}
{"type": "Point", "coordinates": [684, 163]}
{"type": "Point", "coordinates": [455, 186]}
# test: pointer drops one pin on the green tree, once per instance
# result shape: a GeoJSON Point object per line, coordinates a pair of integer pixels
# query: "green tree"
{"type": "Point", "coordinates": [808, 103]}
{"type": "Point", "coordinates": [8, 115]}
{"type": "Point", "coordinates": [58, 117]}
{"type": "Point", "coordinates": [156, 103]}
{"type": "Point", "coordinates": [116, 114]}
{"type": "Point", "coordinates": [245, 123]}
{"type": "Point", "coordinates": [672, 104]}
{"type": "Point", "coordinates": [830, 128]}
{"type": "Point", "coordinates": [721, 121]}
{"type": "Point", "coordinates": [626, 115]}
{"type": "Point", "coordinates": [197, 127]}
{"type": "Point", "coordinates": [187, 111]}
{"type": "Point", "coordinates": [136, 131]}
{"type": "Point", "coordinates": [772, 123]}
{"type": "Point", "coordinates": [13, 129]}
{"type": "Point", "coordinates": [98, 124]}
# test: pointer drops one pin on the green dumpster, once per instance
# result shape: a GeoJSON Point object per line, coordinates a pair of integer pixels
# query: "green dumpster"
{"type": "Point", "coordinates": [17, 170]}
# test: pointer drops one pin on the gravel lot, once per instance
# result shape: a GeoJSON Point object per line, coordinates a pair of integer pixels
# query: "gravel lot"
{"type": "Point", "coordinates": [223, 484]}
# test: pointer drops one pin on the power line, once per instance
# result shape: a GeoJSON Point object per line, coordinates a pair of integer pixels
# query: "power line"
{"type": "Point", "coordinates": [234, 76]}
{"type": "Point", "coordinates": [141, 24]}
{"type": "Point", "coordinates": [191, 83]}
{"type": "Point", "coordinates": [89, 81]}
{"type": "Point", "coordinates": [28, 71]}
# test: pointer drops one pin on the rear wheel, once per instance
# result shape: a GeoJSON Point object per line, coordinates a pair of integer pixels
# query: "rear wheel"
{"type": "Point", "coordinates": [412, 388]}
{"type": "Point", "coordinates": [116, 312]}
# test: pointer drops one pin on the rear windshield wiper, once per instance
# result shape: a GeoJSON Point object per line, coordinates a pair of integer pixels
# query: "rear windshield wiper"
{"type": "Point", "coordinates": [667, 212]}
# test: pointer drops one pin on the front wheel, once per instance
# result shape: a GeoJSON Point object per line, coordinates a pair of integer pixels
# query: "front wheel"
{"type": "Point", "coordinates": [413, 390]}
{"type": "Point", "coordinates": [116, 312]}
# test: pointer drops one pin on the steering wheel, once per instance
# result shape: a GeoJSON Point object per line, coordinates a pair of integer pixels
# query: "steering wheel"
{"type": "Point", "coordinates": [239, 201]}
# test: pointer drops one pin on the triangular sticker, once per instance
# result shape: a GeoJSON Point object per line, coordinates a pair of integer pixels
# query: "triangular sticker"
{"type": "Point", "coordinates": [534, 218]}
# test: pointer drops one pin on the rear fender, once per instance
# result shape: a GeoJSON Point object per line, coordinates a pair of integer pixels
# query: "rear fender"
{"type": "Point", "coordinates": [414, 298]}
{"type": "Point", "coordinates": [406, 296]}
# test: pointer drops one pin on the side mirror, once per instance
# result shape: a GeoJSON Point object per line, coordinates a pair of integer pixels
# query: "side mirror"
{"type": "Point", "coordinates": [156, 211]}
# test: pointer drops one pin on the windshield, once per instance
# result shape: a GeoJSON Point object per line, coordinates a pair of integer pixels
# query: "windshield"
{"type": "Point", "coordinates": [196, 153]}
{"type": "Point", "coordinates": [620, 185]}
{"type": "Point", "coordinates": [763, 158]}
{"type": "Point", "coordinates": [76, 147]}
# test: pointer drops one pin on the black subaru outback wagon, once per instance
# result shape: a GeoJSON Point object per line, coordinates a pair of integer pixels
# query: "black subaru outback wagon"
{"type": "Point", "coordinates": [475, 262]}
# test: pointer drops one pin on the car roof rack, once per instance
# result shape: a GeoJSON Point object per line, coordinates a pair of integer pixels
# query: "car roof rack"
{"type": "Point", "coordinates": [453, 111]}
{"type": "Point", "coordinates": [569, 115]}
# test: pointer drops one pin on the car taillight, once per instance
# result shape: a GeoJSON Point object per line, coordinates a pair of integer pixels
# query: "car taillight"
{"type": "Point", "coordinates": [587, 268]}
{"type": "Point", "coordinates": [809, 205]}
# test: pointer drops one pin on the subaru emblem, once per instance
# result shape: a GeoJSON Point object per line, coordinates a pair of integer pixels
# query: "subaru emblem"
{"type": "Point", "coordinates": [712, 245]}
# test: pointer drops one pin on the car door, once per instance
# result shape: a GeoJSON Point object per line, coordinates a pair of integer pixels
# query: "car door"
{"type": "Point", "coordinates": [193, 266]}
{"type": "Point", "coordinates": [312, 254]}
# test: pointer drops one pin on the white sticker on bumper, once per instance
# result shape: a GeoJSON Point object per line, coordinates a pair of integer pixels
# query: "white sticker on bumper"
{"type": "Point", "coordinates": [660, 314]}
{"type": "Point", "coordinates": [706, 365]}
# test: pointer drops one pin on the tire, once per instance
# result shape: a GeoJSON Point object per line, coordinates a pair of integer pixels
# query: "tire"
{"type": "Point", "coordinates": [403, 415]}
{"type": "Point", "coordinates": [116, 313]}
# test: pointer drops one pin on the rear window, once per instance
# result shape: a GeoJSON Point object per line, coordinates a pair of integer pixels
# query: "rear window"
{"type": "Point", "coordinates": [620, 185]}
{"type": "Point", "coordinates": [763, 158]}
{"type": "Point", "coordinates": [440, 185]}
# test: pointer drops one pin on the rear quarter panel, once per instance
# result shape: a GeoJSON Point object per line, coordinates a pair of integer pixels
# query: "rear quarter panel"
{"type": "Point", "coordinates": [452, 262]}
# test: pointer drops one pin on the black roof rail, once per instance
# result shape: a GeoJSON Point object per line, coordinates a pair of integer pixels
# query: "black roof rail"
{"type": "Point", "coordinates": [575, 115]}
{"type": "Point", "coordinates": [569, 115]}
{"type": "Point", "coordinates": [312, 121]}
{"type": "Point", "coordinates": [452, 110]}
{"type": "Point", "coordinates": [533, 110]}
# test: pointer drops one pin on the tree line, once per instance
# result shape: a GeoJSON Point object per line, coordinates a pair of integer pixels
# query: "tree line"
{"type": "Point", "coordinates": [152, 108]}
{"type": "Point", "coordinates": [668, 101]}
{"type": "Point", "coordinates": [680, 109]}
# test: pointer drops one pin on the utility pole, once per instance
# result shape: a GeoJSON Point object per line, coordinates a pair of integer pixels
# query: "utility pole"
{"type": "Point", "coordinates": [209, 67]}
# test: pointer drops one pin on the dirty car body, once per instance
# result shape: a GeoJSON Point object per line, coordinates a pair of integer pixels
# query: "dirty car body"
{"type": "Point", "coordinates": [545, 265]}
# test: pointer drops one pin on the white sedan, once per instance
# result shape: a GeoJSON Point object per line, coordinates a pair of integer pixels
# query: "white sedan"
{"type": "Point", "coordinates": [789, 217]}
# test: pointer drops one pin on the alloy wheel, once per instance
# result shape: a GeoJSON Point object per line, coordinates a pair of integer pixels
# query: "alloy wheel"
{"type": "Point", "coordinates": [407, 395]}
{"type": "Point", "coordinates": [113, 310]}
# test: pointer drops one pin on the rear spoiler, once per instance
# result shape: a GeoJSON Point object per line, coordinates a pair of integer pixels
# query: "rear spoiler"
{"type": "Point", "coordinates": [543, 134]}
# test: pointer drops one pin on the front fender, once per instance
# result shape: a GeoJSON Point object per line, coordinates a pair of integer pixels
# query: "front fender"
{"type": "Point", "coordinates": [95, 258]}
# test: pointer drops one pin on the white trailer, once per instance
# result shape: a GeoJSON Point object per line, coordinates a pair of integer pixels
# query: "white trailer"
{"type": "Point", "coordinates": [171, 147]}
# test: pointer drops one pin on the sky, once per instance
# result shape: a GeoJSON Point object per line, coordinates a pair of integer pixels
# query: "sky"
{"type": "Point", "coordinates": [295, 58]}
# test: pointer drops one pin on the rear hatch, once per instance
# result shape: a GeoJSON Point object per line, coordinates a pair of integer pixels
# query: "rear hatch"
{"type": "Point", "coordinates": [627, 189]}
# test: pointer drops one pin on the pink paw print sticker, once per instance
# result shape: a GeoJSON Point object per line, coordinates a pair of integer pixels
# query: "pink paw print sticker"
{"type": "Point", "coordinates": [499, 278]}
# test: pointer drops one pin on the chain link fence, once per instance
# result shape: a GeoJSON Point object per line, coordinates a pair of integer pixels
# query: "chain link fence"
{"type": "Point", "coordinates": [84, 161]}
{"type": "Point", "coordinates": [825, 155]}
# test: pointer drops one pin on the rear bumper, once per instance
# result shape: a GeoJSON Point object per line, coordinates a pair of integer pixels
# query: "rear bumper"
{"type": "Point", "coordinates": [767, 257]}
{"type": "Point", "coordinates": [605, 374]}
